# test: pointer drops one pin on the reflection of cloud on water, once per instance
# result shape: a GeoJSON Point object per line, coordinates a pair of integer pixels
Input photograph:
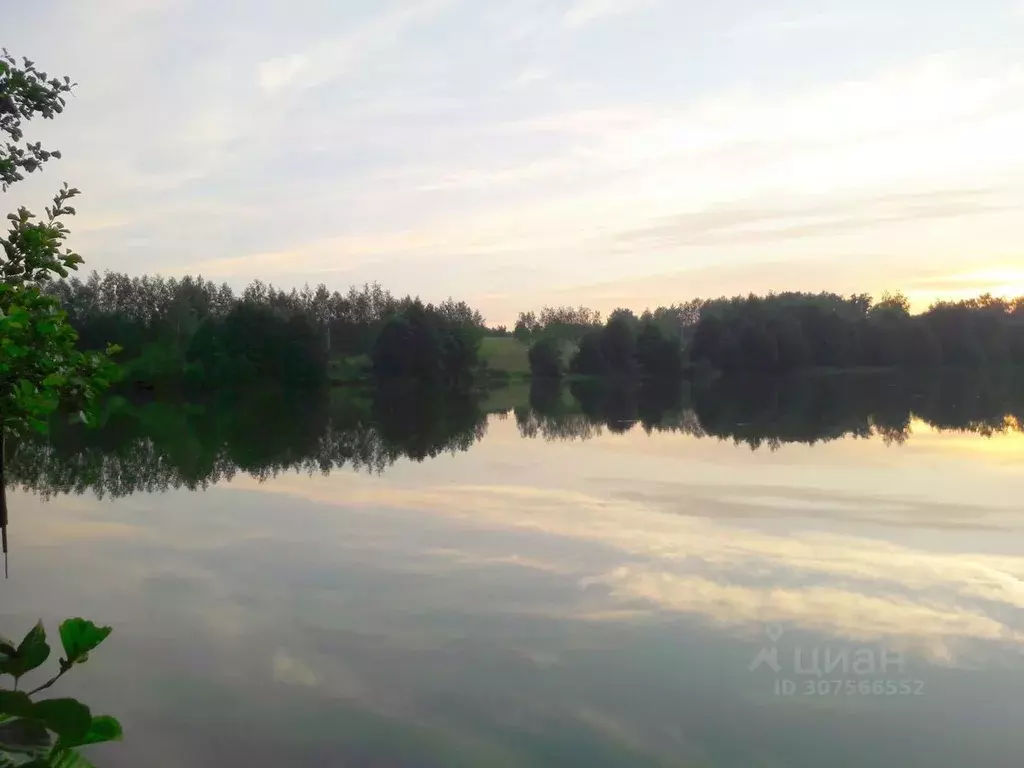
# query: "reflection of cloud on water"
{"type": "Point", "coordinates": [292, 671]}
{"type": "Point", "coordinates": [590, 555]}
{"type": "Point", "coordinates": [476, 560]}
{"type": "Point", "coordinates": [438, 605]}
{"type": "Point", "coordinates": [857, 587]}
{"type": "Point", "coordinates": [900, 621]}
{"type": "Point", "coordinates": [769, 502]}
{"type": "Point", "coordinates": [76, 523]}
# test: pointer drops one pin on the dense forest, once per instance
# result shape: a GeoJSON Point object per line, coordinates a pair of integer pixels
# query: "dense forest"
{"type": "Point", "coordinates": [193, 332]}
{"type": "Point", "coordinates": [776, 334]}
{"type": "Point", "coordinates": [157, 445]}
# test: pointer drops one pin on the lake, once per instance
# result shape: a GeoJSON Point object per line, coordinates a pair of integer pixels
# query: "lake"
{"type": "Point", "coordinates": [822, 571]}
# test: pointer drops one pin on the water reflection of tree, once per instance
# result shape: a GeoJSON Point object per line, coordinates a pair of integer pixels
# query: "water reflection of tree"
{"type": "Point", "coordinates": [771, 412]}
{"type": "Point", "coordinates": [157, 446]}
{"type": "Point", "coordinates": [553, 414]}
{"type": "Point", "coordinates": [422, 423]}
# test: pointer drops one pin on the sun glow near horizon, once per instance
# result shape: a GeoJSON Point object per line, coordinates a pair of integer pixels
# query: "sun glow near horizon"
{"type": "Point", "coordinates": [1000, 282]}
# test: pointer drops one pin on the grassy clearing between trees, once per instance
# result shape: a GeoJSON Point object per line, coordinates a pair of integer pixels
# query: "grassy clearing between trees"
{"type": "Point", "coordinates": [505, 354]}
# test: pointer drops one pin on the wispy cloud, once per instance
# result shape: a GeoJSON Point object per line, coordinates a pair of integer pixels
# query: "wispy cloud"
{"type": "Point", "coordinates": [844, 168]}
{"type": "Point", "coordinates": [529, 77]}
{"type": "Point", "coordinates": [732, 224]}
{"type": "Point", "coordinates": [586, 11]}
{"type": "Point", "coordinates": [777, 26]}
{"type": "Point", "coordinates": [398, 140]}
{"type": "Point", "coordinates": [276, 74]}
{"type": "Point", "coordinates": [333, 57]}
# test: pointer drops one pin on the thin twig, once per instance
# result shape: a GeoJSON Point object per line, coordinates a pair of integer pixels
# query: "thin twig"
{"type": "Point", "coordinates": [48, 683]}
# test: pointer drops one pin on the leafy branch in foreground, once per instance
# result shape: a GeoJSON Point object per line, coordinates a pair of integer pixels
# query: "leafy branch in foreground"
{"type": "Point", "coordinates": [40, 364]}
{"type": "Point", "coordinates": [47, 733]}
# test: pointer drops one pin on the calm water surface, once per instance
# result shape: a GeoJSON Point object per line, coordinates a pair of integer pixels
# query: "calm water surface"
{"type": "Point", "coordinates": [545, 599]}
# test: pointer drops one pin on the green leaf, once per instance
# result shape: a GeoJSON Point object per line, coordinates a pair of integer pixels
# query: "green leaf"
{"type": "Point", "coordinates": [69, 759]}
{"type": "Point", "coordinates": [80, 636]}
{"type": "Point", "coordinates": [24, 736]}
{"type": "Point", "coordinates": [32, 653]}
{"type": "Point", "coordinates": [34, 650]}
{"type": "Point", "coordinates": [7, 646]}
{"type": "Point", "coordinates": [68, 718]}
{"type": "Point", "coordinates": [104, 728]}
{"type": "Point", "coordinates": [15, 703]}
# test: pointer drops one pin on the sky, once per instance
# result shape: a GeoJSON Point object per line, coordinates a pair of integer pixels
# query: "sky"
{"type": "Point", "coordinates": [517, 153]}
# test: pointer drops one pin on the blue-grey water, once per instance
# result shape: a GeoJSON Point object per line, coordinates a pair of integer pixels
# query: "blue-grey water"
{"type": "Point", "coordinates": [537, 600]}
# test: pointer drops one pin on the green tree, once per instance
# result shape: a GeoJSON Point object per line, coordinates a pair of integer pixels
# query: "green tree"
{"type": "Point", "coordinates": [526, 325]}
{"type": "Point", "coordinates": [628, 316]}
{"type": "Point", "coordinates": [589, 359]}
{"type": "Point", "coordinates": [658, 356]}
{"type": "Point", "coordinates": [40, 366]}
{"type": "Point", "coordinates": [546, 358]}
{"type": "Point", "coordinates": [892, 304]}
{"type": "Point", "coordinates": [792, 344]}
{"type": "Point", "coordinates": [460, 351]}
{"type": "Point", "coordinates": [619, 345]}
{"type": "Point", "coordinates": [708, 342]}
{"type": "Point", "coordinates": [759, 348]}
{"type": "Point", "coordinates": [255, 343]}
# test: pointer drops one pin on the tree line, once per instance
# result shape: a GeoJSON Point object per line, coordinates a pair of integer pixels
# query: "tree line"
{"type": "Point", "coordinates": [790, 331]}
{"type": "Point", "coordinates": [775, 334]}
{"type": "Point", "coordinates": [194, 330]}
